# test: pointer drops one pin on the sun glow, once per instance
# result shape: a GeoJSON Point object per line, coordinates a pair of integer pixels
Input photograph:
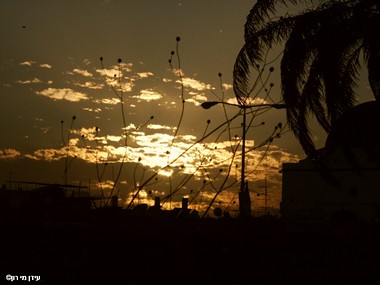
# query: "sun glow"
{"type": "Point", "coordinates": [166, 172]}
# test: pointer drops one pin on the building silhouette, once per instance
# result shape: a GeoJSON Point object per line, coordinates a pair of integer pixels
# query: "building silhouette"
{"type": "Point", "coordinates": [343, 180]}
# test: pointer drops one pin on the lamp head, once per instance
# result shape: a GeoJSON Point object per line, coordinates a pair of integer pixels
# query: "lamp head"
{"type": "Point", "coordinates": [279, 106]}
{"type": "Point", "coordinates": [209, 104]}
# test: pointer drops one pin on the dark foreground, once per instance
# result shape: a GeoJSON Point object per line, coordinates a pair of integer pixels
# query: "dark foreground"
{"type": "Point", "coordinates": [114, 248]}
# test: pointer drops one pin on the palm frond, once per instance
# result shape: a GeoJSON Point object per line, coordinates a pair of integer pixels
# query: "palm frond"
{"type": "Point", "coordinates": [321, 58]}
{"type": "Point", "coordinates": [373, 73]}
{"type": "Point", "coordinates": [371, 46]}
{"type": "Point", "coordinates": [304, 85]}
{"type": "Point", "coordinates": [313, 91]}
{"type": "Point", "coordinates": [272, 33]}
{"type": "Point", "coordinates": [298, 53]}
{"type": "Point", "coordinates": [336, 40]}
{"type": "Point", "coordinates": [263, 11]}
{"type": "Point", "coordinates": [241, 75]}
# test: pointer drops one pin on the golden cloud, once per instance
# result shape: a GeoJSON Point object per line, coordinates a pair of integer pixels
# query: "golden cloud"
{"type": "Point", "coordinates": [63, 94]}
{"type": "Point", "coordinates": [145, 74]}
{"type": "Point", "coordinates": [9, 153]}
{"type": "Point", "coordinates": [90, 85]}
{"type": "Point", "coordinates": [108, 101]}
{"type": "Point", "coordinates": [46, 65]}
{"type": "Point", "coordinates": [148, 95]}
{"type": "Point", "coordinates": [34, 80]}
{"type": "Point", "coordinates": [195, 84]}
{"type": "Point", "coordinates": [82, 72]}
{"type": "Point", "coordinates": [28, 63]}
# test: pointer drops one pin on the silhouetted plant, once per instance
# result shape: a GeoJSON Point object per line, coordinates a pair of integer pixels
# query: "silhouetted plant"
{"type": "Point", "coordinates": [325, 45]}
{"type": "Point", "coordinates": [259, 86]}
{"type": "Point", "coordinates": [178, 72]}
{"type": "Point", "coordinates": [204, 156]}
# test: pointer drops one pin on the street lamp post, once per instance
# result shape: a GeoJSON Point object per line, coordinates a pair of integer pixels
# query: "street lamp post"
{"type": "Point", "coordinates": [244, 197]}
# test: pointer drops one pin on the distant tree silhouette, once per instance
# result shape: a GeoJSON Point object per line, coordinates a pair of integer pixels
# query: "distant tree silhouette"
{"type": "Point", "coordinates": [325, 45]}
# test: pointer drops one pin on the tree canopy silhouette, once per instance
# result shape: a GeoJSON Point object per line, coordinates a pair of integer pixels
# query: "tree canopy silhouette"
{"type": "Point", "coordinates": [325, 45]}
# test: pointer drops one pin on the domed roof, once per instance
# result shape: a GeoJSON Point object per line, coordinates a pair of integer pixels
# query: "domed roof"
{"type": "Point", "coordinates": [359, 127]}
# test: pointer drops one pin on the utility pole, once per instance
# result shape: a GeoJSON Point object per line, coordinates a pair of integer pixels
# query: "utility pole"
{"type": "Point", "coordinates": [265, 194]}
{"type": "Point", "coordinates": [244, 198]}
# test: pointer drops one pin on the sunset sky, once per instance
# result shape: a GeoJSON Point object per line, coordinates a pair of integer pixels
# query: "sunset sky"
{"type": "Point", "coordinates": [60, 104]}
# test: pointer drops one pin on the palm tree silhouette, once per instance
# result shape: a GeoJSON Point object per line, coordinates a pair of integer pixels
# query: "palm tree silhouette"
{"type": "Point", "coordinates": [325, 46]}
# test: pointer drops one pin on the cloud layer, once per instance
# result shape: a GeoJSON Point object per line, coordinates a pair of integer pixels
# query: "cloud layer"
{"type": "Point", "coordinates": [63, 94]}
